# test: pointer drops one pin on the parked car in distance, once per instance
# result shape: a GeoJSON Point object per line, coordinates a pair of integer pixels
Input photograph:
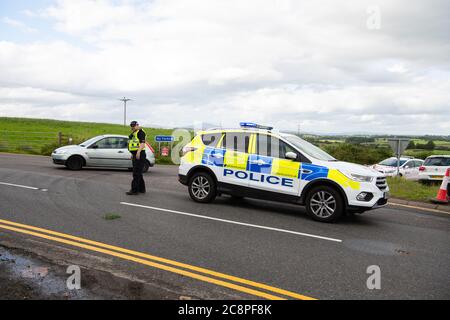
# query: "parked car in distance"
{"type": "Point", "coordinates": [434, 168]}
{"type": "Point", "coordinates": [110, 151]}
{"type": "Point", "coordinates": [409, 167]}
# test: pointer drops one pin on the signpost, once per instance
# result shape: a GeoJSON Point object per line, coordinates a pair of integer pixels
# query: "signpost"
{"type": "Point", "coordinates": [164, 139]}
{"type": "Point", "coordinates": [398, 145]}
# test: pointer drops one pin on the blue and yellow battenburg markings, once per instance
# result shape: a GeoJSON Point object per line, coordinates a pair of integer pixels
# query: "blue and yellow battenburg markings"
{"type": "Point", "coordinates": [259, 164]}
{"type": "Point", "coordinates": [271, 170]}
{"type": "Point", "coordinates": [213, 157]}
{"type": "Point", "coordinates": [310, 172]}
{"type": "Point", "coordinates": [253, 176]}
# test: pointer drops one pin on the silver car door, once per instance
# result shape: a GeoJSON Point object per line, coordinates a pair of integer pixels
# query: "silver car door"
{"type": "Point", "coordinates": [122, 153]}
{"type": "Point", "coordinates": [94, 154]}
{"type": "Point", "coordinates": [116, 153]}
{"type": "Point", "coordinates": [105, 153]}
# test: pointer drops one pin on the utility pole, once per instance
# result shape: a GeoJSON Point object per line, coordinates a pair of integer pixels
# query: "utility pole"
{"type": "Point", "coordinates": [125, 100]}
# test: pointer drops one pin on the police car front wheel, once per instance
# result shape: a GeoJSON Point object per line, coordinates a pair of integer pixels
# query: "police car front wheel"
{"type": "Point", "coordinates": [324, 204]}
{"type": "Point", "coordinates": [202, 187]}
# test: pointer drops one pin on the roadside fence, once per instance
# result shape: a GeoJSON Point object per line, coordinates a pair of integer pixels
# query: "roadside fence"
{"type": "Point", "coordinates": [32, 142]}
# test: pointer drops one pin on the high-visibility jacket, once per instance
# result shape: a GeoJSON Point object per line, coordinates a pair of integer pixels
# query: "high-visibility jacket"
{"type": "Point", "coordinates": [133, 143]}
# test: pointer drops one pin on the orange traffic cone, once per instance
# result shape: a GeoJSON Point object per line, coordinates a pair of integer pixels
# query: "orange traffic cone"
{"type": "Point", "coordinates": [442, 196]}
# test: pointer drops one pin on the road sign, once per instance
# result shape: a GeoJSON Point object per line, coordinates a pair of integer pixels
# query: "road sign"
{"type": "Point", "coordinates": [398, 145]}
{"type": "Point", "coordinates": [165, 152]}
{"type": "Point", "coordinates": [164, 138]}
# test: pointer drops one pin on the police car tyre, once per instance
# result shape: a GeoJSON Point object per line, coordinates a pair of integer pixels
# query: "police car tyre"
{"type": "Point", "coordinates": [202, 187]}
{"type": "Point", "coordinates": [324, 204]}
{"type": "Point", "coordinates": [74, 163]}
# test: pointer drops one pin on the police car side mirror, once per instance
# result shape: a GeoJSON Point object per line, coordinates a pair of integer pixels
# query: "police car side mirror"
{"type": "Point", "coordinates": [291, 155]}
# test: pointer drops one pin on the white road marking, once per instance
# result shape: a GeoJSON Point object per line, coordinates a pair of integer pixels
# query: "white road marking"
{"type": "Point", "coordinates": [232, 222]}
{"type": "Point", "coordinates": [21, 186]}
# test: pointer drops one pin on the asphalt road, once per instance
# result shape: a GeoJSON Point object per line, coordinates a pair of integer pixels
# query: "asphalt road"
{"type": "Point", "coordinates": [269, 243]}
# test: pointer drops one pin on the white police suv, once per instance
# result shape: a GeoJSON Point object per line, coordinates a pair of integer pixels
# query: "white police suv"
{"type": "Point", "coordinates": [257, 162]}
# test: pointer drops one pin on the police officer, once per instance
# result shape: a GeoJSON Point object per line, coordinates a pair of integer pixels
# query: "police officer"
{"type": "Point", "coordinates": [136, 145]}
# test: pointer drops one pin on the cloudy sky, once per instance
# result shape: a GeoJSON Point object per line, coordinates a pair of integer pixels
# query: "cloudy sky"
{"type": "Point", "coordinates": [331, 66]}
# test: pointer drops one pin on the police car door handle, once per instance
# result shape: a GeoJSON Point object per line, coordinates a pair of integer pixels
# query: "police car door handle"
{"type": "Point", "coordinates": [120, 152]}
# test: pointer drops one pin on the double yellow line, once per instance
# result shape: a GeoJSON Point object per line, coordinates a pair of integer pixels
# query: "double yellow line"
{"type": "Point", "coordinates": [202, 274]}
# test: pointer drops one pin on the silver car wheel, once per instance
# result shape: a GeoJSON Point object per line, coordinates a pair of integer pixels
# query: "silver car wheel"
{"type": "Point", "coordinates": [200, 187]}
{"type": "Point", "coordinates": [323, 204]}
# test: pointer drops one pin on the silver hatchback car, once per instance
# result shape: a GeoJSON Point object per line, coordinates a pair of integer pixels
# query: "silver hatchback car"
{"type": "Point", "coordinates": [109, 151]}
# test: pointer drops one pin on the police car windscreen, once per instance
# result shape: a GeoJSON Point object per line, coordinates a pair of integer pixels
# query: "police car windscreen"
{"type": "Point", "coordinates": [308, 148]}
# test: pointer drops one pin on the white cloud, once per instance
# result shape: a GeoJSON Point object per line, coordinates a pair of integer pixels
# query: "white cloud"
{"type": "Point", "coordinates": [18, 24]}
{"type": "Point", "coordinates": [80, 16]}
{"type": "Point", "coordinates": [397, 68]}
{"type": "Point", "coordinates": [223, 61]}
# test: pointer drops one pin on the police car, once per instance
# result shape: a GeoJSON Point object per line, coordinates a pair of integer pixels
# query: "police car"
{"type": "Point", "coordinates": [257, 162]}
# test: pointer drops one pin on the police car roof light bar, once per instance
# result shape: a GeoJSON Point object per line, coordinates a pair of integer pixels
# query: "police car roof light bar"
{"type": "Point", "coordinates": [254, 126]}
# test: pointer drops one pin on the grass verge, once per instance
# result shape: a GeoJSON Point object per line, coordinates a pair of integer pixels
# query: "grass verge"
{"type": "Point", "coordinates": [411, 190]}
{"type": "Point", "coordinates": [111, 216]}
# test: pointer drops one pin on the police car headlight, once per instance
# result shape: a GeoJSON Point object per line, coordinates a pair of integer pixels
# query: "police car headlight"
{"type": "Point", "coordinates": [59, 151]}
{"type": "Point", "coordinates": [360, 178]}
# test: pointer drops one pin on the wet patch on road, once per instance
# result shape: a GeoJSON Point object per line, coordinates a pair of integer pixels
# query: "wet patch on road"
{"type": "Point", "coordinates": [25, 278]}
{"type": "Point", "coordinates": [31, 269]}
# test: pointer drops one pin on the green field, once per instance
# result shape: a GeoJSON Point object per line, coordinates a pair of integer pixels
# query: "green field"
{"type": "Point", "coordinates": [441, 145]}
{"type": "Point", "coordinates": [40, 136]}
{"type": "Point", "coordinates": [421, 153]}
{"type": "Point", "coordinates": [436, 142]}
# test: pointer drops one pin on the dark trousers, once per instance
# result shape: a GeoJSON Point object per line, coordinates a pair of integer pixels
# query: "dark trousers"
{"type": "Point", "coordinates": [138, 183]}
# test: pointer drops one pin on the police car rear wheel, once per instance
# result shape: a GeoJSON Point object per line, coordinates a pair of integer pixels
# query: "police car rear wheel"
{"type": "Point", "coordinates": [324, 204]}
{"type": "Point", "coordinates": [202, 188]}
